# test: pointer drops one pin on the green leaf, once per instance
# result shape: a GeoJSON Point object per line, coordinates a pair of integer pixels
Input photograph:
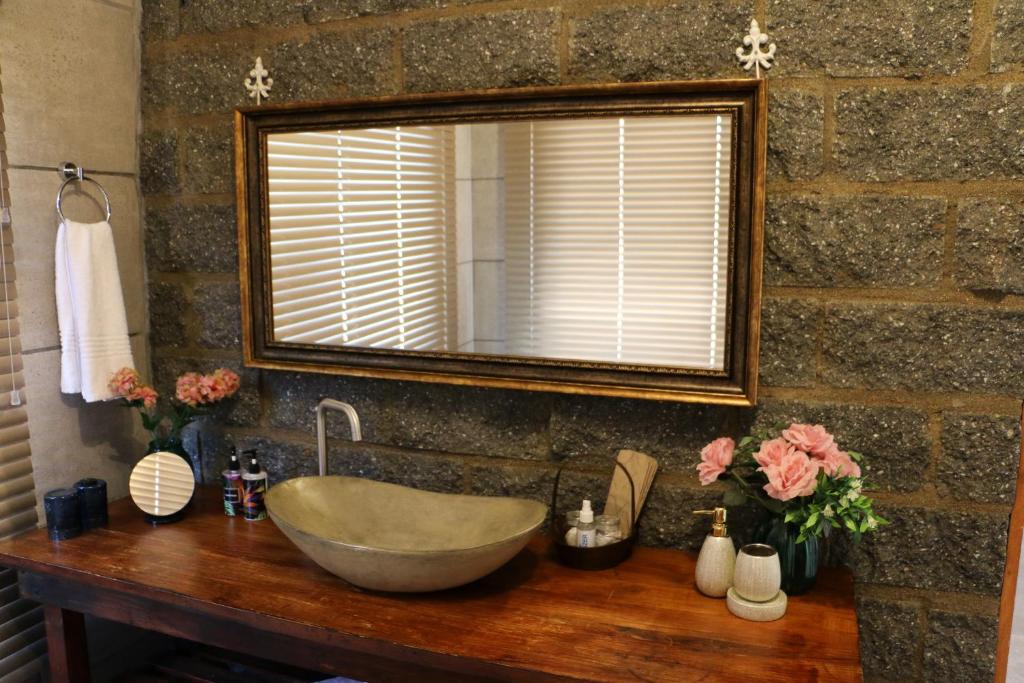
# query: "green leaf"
{"type": "Point", "coordinates": [857, 457]}
{"type": "Point", "coordinates": [745, 440]}
{"type": "Point", "coordinates": [850, 524]}
{"type": "Point", "coordinates": [733, 497]}
{"type": "Point", "coordinates": [812, 519]}
{"type": "Point", "coordinates": [790, 516]}
{"type": "Point", "coordinates": [863, 525]}
{"type": "Point", "coordinates": [149, 422]}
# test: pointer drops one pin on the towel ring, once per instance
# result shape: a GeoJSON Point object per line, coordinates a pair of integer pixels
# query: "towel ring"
{"type": "Point", "coordinates": [71, 173]}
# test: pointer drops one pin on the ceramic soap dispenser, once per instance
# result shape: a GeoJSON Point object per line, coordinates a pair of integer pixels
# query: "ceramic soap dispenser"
{"type": "Point", "coordinates": [717, 557]}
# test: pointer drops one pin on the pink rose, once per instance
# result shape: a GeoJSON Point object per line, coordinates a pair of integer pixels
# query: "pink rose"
{"type": "Point", "coordinates": [837, 463]}
{"type": "Point", "coordinates": [208, 390]}
{"type": "Point", "coordinates": [794, 475]}
{"type": "Point", "coordinates": [812, 439]}
{"type": "Point", "coordinates": [195, 389]}
{"type": "Point", "coordinates": [187, 389]}
{"type": "Point", "coordinates": [771, 452]}
{"type": "Point", "coordinates": [715, 457]}
{"type": "Point", "coordinates": [231, 381]}
{"type": "Point", "coordinates": [124, 382]}
{"type": "Point", "coordinates": [146, 394]}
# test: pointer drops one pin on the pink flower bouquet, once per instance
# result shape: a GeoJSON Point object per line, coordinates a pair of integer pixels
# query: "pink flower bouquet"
{"type": "Point", "coordinates": [195, 393]}
{"type": "Point", "coordinates": [801, 475]}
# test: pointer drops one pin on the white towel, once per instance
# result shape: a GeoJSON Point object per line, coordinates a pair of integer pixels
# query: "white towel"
{"type": "Point", "coordinates": [90, 310]}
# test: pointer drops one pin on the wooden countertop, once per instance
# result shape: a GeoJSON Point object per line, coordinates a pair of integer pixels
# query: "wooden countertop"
{"type": "Point", "coordinates": [531, 620]}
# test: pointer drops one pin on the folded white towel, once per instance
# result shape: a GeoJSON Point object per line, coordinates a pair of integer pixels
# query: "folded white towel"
{"type": "Point", "coordinates": [90, 310]}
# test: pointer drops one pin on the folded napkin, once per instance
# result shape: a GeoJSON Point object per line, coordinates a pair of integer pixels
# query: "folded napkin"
{"type": "Point", "coordinates": [90, 310]}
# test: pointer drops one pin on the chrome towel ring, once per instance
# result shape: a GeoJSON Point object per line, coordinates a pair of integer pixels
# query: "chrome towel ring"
{"type": "Point", "coordinates": [71, 172]}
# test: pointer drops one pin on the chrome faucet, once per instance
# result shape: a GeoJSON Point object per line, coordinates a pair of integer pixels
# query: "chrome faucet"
{"type": "Point", "coordinates": [321, 430]}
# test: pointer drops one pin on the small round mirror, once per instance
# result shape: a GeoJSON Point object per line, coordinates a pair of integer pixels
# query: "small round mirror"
{"type": "Point", "coordinates": [162, 485]}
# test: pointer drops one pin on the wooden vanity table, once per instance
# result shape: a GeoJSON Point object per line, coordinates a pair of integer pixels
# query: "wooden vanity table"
{"type": "Point", "coordinates": [243, 586]}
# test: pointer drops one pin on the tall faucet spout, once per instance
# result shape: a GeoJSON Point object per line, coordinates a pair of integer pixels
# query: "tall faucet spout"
{"type": "Point", "coordinates": [321, 429]}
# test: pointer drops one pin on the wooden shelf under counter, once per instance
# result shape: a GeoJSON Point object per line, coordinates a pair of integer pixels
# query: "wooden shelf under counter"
{"type": "Point", "coordinates": [244, 587]}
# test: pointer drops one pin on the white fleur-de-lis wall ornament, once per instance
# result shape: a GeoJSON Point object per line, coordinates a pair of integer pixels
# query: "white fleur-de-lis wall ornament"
{"type": "Point", "coordinates": [757, 57]}
{"type": "Point", "coordinates": [258, 84]}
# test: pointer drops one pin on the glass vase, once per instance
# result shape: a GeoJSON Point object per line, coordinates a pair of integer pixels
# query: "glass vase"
{"type": "Point", "coordinates": [202, 437]}
{"type": "Point", "coordinates": [799, 561]}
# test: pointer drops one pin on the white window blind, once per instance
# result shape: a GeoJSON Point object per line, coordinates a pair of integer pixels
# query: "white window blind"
{"type": "Point", "coordinates": [362, 242]}
{"type": "Point", "coordinates": [618, 239]}
{"type": "Point", "coordinates": [22, 634]}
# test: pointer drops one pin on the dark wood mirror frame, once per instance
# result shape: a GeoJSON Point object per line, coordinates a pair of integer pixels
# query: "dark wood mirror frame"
{"type": "Point", "coordinates": [745, 100]}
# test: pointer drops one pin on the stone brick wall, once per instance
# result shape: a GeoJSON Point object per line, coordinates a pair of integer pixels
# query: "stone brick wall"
{"type": "Point", "coordinates": [893, 308]}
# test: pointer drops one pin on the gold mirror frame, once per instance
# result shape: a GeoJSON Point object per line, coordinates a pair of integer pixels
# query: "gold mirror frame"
{"type": "Point", "coordinates": [745, 100]}
{"type": "Point", "coordinates": [1011, 570]}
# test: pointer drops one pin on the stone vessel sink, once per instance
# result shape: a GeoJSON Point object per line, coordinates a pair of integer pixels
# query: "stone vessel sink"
{"type": "Point", "coordinates": [394, 538]}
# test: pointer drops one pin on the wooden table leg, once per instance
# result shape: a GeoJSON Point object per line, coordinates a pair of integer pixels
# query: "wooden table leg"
{"type": "Point", "coordinates": [65, 639]}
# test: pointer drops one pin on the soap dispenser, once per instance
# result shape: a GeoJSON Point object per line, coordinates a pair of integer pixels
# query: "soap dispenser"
{"type": "Point", "coordinates": [717, 557]}
{"type": "Point", "coordinates": [254, 488]}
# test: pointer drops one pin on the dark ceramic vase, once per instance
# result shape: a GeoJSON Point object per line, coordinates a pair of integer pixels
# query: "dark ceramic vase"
{"type": "Point", "coordinates": [799, 561]}
{"type": "Point", "coordinates": [170, 444]}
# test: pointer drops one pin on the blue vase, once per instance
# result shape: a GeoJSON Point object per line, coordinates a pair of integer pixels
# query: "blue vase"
{"type": "Point", "coordinates": [799, 561]}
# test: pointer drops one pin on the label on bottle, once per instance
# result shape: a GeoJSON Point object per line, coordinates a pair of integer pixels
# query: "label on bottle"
{"type": "Point", "coordinates": [585, 539]}
{"type": "Point", "coordinates": [232, 483]}
{"type": "Point", "coordinates": [253, 491]}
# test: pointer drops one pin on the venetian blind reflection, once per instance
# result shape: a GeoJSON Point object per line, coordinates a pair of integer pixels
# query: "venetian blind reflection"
{"type": "Point", "coordinates": [599, 239]}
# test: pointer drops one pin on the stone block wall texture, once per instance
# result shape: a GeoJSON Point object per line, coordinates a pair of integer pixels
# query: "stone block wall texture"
{"type": "Point", "coordinates": [894, 298]}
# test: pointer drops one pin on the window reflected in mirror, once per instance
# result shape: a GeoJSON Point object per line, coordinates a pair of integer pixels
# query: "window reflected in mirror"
{"type": "Point", "coordinates": [597, 239]}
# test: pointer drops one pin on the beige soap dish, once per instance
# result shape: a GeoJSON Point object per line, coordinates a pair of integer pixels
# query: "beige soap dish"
{"type": "Point", "coordinates": [756, 611]}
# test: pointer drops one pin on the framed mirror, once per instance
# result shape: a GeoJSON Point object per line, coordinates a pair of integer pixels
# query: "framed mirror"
{"type": "Point", "coordinates": [593, 239]}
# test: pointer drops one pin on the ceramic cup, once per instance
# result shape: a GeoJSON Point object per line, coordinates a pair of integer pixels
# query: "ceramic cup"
{"type": "Point", "coordinates": [757, 576]}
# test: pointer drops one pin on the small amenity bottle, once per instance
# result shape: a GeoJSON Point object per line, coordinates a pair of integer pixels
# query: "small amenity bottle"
{"type": "Point", "coordinates": [717, 559]}
{"type": "Point", "coordinates": [586, 532]}
{"type": "Point", "coordinates": [231, 479]}
{"type": "Point", "coordinates": [254, 488]}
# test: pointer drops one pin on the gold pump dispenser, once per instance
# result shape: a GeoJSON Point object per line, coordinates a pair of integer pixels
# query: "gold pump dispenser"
{"type": "Point", "coordinates": [717, 557]}
{"type": "Point", "coordinates": [718, 528]}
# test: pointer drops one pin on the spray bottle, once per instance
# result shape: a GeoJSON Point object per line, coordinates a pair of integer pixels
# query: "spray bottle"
{"type": "Point", "coordinates": [586, 532]}
{"type": "Point", "coordinates": [231, 479]}
{"type": "Point", "coordinates": [254, 489]}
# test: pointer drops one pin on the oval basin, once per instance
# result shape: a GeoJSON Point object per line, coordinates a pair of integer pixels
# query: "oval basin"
{"type": "Point", "coordinates": [388, 537]}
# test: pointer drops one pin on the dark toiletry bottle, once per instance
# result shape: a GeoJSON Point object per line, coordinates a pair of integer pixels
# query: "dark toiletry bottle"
{"type": "Point", "coordinates": [232, 482]}
{"type": "Point", "coordinates": [92, 503]}
{"type": "Point", "coordinates": [63, 518]}
{"type": "Point", "coordinates": [254, 488]}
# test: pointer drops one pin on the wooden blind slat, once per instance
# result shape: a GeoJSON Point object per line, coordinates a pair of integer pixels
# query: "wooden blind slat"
{"type": "Point", "coordinates": [14, 627]}
{"type": "Point", "coordinates": [27, 662]}
{"type": "Point", "coordinates": [358, 214]}
{"type": "Point", "coordinates": [617, 239]}
{"type": "Point", "coordinates": [27, 635]}
{"type": "Point", "coordinates": [22, 636]}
